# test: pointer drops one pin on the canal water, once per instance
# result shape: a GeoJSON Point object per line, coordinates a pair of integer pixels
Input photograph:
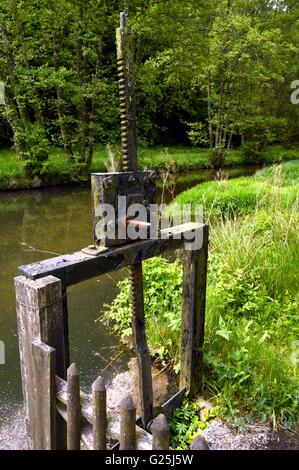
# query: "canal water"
{"type": "Point", "coordinates": [39, 224]}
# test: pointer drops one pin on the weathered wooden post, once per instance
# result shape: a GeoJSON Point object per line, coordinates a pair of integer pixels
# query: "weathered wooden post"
{"type": "Point", "coordinates": [73, 408]}
{"type": "Point", "coordinates": [99, 414]}
{"type": "Point", "coordinates": [193, 315]}
{"type": "Point", "coordinates": [43, 381]}
{"type": "Point", "coordinates": [127, 438]}
{"type": "Point", "coordinates": [40, 319]}
{"type": "Point", "coordinates": [161, 433]}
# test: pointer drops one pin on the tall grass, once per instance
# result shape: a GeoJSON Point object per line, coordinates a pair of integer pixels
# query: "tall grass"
{"type": "Point", "coordinates": [252, 305]}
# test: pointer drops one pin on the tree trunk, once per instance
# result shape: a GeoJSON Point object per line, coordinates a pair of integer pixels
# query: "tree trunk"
{"type": "Point", "coordinates": [60, 108]}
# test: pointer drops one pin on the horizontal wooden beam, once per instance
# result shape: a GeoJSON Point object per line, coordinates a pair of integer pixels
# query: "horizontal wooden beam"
{"type": "Point", "coordinates": [80, 266]}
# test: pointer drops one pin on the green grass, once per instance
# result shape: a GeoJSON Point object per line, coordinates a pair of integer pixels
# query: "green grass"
{"type": "Point", "coordinates": [243, 195]}
{"type": "Point", "coordinates": [57, 170]}
{"type": "Point", "coordinates": [251, 339]}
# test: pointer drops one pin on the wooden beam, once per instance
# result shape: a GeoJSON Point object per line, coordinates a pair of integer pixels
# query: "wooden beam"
{"type": "Point", "coordinates": [127, 438]}
{"type": "Point", "coordinates": [80, 266]}
{"type": "Point", "coordinates": [193, 316]}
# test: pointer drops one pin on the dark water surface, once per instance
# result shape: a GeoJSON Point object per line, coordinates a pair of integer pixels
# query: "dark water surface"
{"type": "Point", "coordinates": [35, 225]}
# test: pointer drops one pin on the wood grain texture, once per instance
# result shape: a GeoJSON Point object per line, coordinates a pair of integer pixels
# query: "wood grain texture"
{"type": "Point", "coordinates": [73, 408]}
{"type": "Point", "coordinates": [79, 266]}
{"type": "Point", "coordinates": [141, 348]}
{"type": "Point", "coordinates": [193, 316]}
{"type": "Point", "coordinates": [161, 433]}
{"type": "Point", "coordinates": [127, 439]}
{"type": "Point", "coordinates": [44, 396]}
{"type": "Point", "coordinates": [99, 407]}
{"type": "Point", "coordinates": [40, 319]}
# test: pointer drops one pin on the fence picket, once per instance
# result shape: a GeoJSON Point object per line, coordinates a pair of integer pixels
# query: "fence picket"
{"type": "Point", "coordinates": [127, 437]}
{"type": "Point", "coordinates": [161, 433]}
{"type": "Point", "coordinates": [73, 408]}
{"type": "Point", "coordinates": [99, 414]}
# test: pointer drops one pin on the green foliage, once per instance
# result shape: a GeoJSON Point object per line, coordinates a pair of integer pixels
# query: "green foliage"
{"type": "Point", "coordinates": [252, 151]}
{"type": "Point", "coordinates": [252, 304]}
{"type": "Point", "coordinates": [197, 133]}
{"type": "Point", "coordinates": [163, 297]}
{"type": "Point", "coordinates": [37, 149]}
{"type": "Point", "coordinates": [57, 168]}
{"type": "Point", "coordinates": [213, 67]}
{"type": "Point", "coordinates": [186, 425]}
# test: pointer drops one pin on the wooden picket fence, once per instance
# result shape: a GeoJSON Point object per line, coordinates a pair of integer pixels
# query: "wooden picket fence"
{"type": "Point", "coordinates": [89, 424]}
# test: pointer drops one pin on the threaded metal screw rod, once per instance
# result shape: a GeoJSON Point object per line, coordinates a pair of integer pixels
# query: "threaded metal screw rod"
{"type": "Point", "coordinates": [129, 161]}
{"type": "Point", "coordinates": [127, 97]}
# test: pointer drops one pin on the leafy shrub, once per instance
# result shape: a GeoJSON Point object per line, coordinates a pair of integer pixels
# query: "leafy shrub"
{"type": "Point", "coordinates": [198, 133]}
{"type": "Point", "coordinates": [186, 424]}
{"type": "Point", "coordinates": [163, 297]}
{"type": "Point", "coordinates": [37, 149]}
{"type": "Point", "coordinates": [252, 151]}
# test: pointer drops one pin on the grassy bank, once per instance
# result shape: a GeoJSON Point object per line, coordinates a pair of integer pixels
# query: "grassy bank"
{"type": "Point", "coordinates": [251, 353]}
{"type": "Point", "coordinates": [246, 194]}
{"type": "Point", "coordinates": [58, 171]}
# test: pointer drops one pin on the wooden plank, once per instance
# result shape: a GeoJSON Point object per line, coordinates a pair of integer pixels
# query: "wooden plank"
{"type": "Point", "coordinates": [127, 439]}
{"type": "Point", "coordinates": [44, 396]}
{"type": "Point", "coordinates": [66, 326]}
{"type": "Point", "coordinates": [174, 402]}
{"type": "Point", "coordinates": [193, 316]}
{"type": "Point", "coordinates": [99, 414]}
{"type": "Point", "coordinates": [73, 408]}
{"type": "Point", "coordinates": [79, 266]}
{"type": "Point", "coordinates": [39, 315]}
{"type": "Point", "coordinates": [143, 438]}
{"type": "Point", "coordinates": [161, 433]}
{"type": "Point", "coordinates": [141, 348]}
{"type": "Point", "coordinates": [199, 443]}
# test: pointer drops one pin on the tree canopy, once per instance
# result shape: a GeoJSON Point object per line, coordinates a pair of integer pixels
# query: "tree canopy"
{"type": "Point", "coordinates": [214, 73]}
